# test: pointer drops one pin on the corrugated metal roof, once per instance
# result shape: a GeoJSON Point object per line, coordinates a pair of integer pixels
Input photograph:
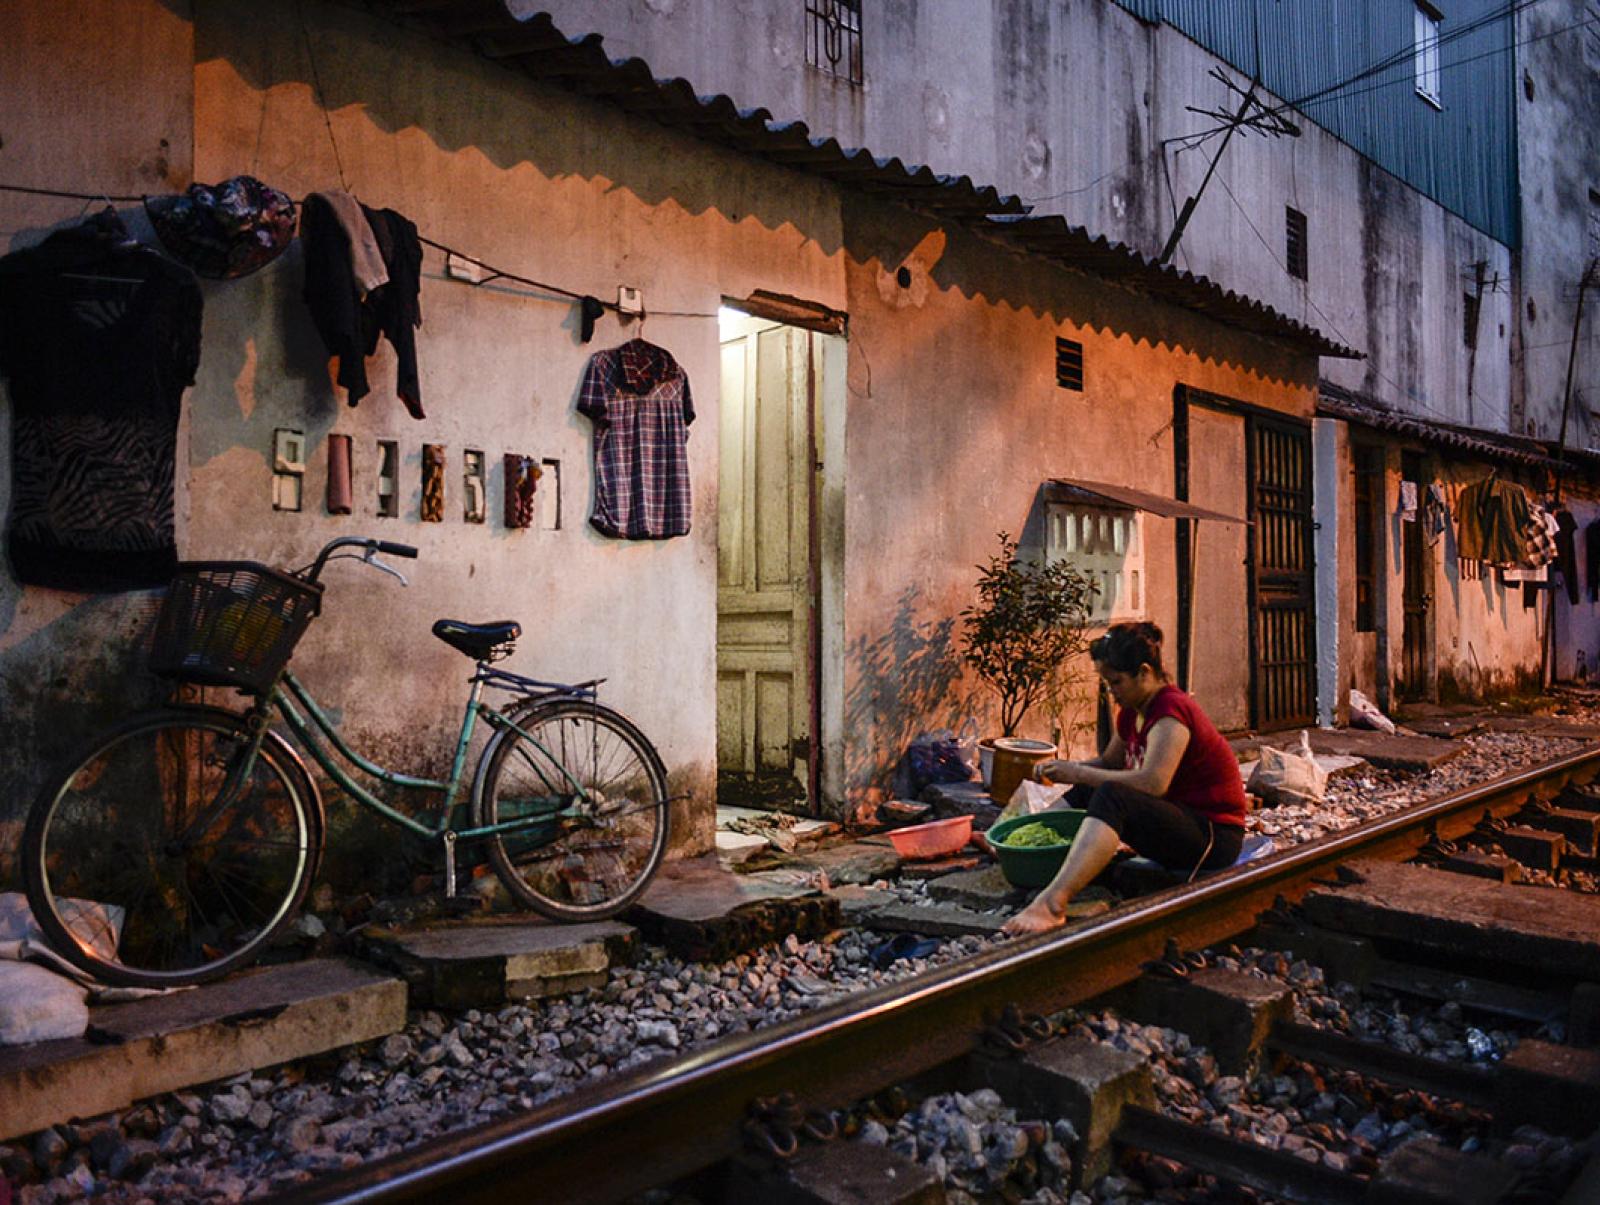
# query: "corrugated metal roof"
{"type": "Point", "coordinates": [1333, 402]}
{"type": "Point", "coordinates": [537, 48]}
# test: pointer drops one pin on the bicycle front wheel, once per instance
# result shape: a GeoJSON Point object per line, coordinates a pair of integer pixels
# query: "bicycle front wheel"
{"type": "Point", "coordinates": [168, 855]}
{"type": "Point", "coordinates": [588, 796]}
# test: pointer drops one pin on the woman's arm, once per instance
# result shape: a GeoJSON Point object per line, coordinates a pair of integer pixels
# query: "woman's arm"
{"type": "Point", "coordinates": [1164, 748]}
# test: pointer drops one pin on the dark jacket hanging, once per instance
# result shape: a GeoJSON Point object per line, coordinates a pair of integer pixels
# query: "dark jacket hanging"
{"type": "Point", "coordinates": [99, 337]}
{"type": "Point", "coordinates": [333, 296]}
{"type": "Point", "coordinates": [396, 307]}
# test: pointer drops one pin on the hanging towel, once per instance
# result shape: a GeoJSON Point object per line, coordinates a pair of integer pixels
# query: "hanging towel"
{"type": "Point", "coordinates": [340, 497]}
{"type": "Point", "coordinates": [1408, 501]}
{"type": "Point", "coordinates": [366, 257]}
{"type": "Point", "coordinates": [1435, 513]}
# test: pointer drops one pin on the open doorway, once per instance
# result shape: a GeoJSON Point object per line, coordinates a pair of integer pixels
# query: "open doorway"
{"type": "Point", "coordinates": [773, 562]}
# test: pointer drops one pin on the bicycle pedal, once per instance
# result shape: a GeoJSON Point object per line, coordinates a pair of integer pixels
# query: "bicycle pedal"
{"type": "Point", "coordinates": [462, 905]}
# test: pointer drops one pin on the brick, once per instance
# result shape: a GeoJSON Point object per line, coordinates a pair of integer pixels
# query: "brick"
{"type": "Point", "coordinates": [1424, 1172]}
{"type": "Point", "coordinates": [256, 1019]}
{"type": "Point", "coordinates": [834, 1173]}
{"type": "Point", "coordinates": [1087, 1082]}
{"type": "Point", "coordinates": [1228, 1011]}
{"type": "Point", "coordinates": [1536, 847]}
{"type": "Point", "coordinates": [1484, 866]}
{"type": "Point", "coordinates": [488, 964]}
{"type": "Point", "coordinates": [1475, 921]}
{"type": "Point", "coordinates": [1554, 1087]}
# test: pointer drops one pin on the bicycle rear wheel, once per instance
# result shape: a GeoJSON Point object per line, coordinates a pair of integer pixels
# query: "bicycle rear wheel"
{"type": "Point", "coordinates": [593, 795]}
{"type": "Point", "coordinates": [160, 858]}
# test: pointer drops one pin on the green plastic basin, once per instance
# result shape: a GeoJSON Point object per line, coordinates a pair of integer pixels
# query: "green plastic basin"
{"type": "Point", "coordinates": [1034, 866]}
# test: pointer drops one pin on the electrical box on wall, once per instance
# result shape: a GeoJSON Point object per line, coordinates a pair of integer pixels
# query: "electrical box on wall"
{"type": "Point", "coordinates": [1107, 545]}
{"type": "Point", "coordinates": [288, 468]}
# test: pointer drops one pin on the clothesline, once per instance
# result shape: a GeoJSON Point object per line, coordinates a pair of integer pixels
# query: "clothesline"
{"type": "Point", "coordinates": [492, 273]}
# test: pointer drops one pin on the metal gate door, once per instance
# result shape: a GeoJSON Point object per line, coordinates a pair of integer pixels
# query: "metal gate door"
{"type": "Point", "coordinates": [1416, 564]}
{"type": "Point", "coordinates": [1283, 634]}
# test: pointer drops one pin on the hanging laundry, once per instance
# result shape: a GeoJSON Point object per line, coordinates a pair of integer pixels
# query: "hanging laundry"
{"type": "Point", "coordinates": [1540, 536]}
{"type": "Point", "coordinates": [224, 231]}
{"type": "Point", "coordinates": [1408, 502]}
{"type": "Point", "coordinates": [1435, 513]}
{"type": "Point", "coordinates": [99, 337]}
{"type": "Point", "coordinates": [1491, 522]}
{"type": "Point", "coordinates": [639, 401]}
{"type": "Point", "coordinates": [363, 279]}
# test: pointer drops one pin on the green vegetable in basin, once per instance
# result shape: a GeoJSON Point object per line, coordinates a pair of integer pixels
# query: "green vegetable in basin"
{"type": "Point", "coordinates": [1035, 836]}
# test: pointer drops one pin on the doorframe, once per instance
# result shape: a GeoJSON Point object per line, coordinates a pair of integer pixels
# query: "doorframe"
{"type": "Point", "coordinates": [827, 364]}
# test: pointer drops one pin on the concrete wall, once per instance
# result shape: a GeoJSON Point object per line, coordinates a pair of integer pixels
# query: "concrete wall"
{"type": "Point", "coordinates": [1558, 99]}
{"type": "Point", "coordinates": [955, 423]}
{"type": "Point", "coordinates": [528, 179]}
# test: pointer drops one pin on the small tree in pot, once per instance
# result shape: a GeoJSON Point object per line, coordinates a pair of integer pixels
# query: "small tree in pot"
{"type": "Point", "coordinates": [1027, 626]}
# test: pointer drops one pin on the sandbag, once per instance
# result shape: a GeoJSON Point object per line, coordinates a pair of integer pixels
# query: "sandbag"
{"type": "Point", "coordinates": [1288, 776]}
{"type": "Point", "coordinates": [37, 1005]}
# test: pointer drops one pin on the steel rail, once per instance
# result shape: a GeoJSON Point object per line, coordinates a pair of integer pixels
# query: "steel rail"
{"type": "Point", "coordinates": [651, 1126]}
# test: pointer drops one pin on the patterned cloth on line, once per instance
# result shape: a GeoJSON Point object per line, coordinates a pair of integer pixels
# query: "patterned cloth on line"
{"type": "Point", "coordinates": [639, 401]}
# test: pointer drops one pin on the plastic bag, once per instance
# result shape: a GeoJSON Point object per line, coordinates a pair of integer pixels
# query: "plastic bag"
{"type": "Point", "coordinates": [936, 757]}
{"type": "Point", "coordinates": [967, 743]}
{"type": "Point", "coordinates": [1030, 798]}
{"type": "Point", "coordinates": [1364, 713]}
{"type": "Point", "coordinates": [1288, 776]}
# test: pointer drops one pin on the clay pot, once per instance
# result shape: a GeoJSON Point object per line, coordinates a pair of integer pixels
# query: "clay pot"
{"type": "Point", "coordinates": [1014, 760]}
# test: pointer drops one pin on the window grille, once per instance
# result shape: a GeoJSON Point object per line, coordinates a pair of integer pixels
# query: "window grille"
{"type": "Point", "coordinates": [1069, 364]}
{"type": "Point", "coordinates": [1469, 319]}
{"type": "Point", "coordinates": [1294, 224]}
{"type": "Point", "coordinates": [1425, 54]}
{"type": "Point", "coordinates": [833, 38]}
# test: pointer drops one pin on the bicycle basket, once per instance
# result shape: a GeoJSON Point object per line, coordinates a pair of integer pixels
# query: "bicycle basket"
{"type": "Point", "coordinates": [231, 623]}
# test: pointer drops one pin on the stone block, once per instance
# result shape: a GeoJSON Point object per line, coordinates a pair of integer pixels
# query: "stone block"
{"type": "Point", "coordinates": [858, 904]}
{"type": "Point", "coordinates": [1484, 866]}
{"type": "Point", "coordinates": [834, 1173]}
{"type": "Point", "coordinates": [983, 888]}
{"type": "Point", "coordinates": [702, 912]}
{"type": "Point", "coordinates": [1344, 958]}
{"type": "Point", "coordinates": [1425, 1173]}
{"type": "Point", "coordinates": [256, 1019]}
{"type": "Point", "coordinates": [1536, 847]}
{"type": "Point", "coordinates": [1228, 1011]}
{"type": "Point", "coordinates": [1579, 799]}
{"type": "Point", "coordinates": [1467, 919]}
{"type": "Point", "coordinates": [858, 862]}
{"type": "Point", "coordinates": [934, 920]}
{"type": "Point", "coordinates": [736, 849]}
{"type": "Point", "coordinates": [1087, 1082]}
{"type": "Point", "coordinates": [938, 868]}
{"type": "Point", "coordinates": [1554, 1087]}
{"type": "Point", "coordinates": [962, 799]}
{"type": "Point", "coordinates": [488, 964]}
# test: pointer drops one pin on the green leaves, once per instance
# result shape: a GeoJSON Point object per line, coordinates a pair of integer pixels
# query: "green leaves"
{"type": "Point", "coordinates": [1028, 623]}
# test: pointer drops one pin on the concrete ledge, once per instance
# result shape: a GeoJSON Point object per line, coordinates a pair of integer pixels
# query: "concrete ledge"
{"type": "Point", "coordinates": [257, 1019]}
{"type": "Point", "coordinates": [487, 964]}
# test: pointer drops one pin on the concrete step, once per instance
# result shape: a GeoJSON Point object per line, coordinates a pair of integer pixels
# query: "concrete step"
{"type": "Point", "coordinates": [1473, 919]}
{"type": "Point", "coordinates": [490, 963]}
{"type": "Point", "coordinates": [252, 1020]}
{"type": "Point", "coordinates": [700, 911]}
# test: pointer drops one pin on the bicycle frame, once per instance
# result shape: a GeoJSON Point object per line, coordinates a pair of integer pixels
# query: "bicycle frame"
{"type": "Point", "coordinates": [314, 726]}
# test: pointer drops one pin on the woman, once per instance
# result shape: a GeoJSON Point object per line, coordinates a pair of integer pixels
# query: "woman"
{"type": "Point", "coordinates": [1167, 784]}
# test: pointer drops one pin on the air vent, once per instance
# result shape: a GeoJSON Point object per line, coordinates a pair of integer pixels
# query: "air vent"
{"type": "Point", "coordinates": [1294, 223]}
{"type": "Point", "coordinates": [1069, 364]}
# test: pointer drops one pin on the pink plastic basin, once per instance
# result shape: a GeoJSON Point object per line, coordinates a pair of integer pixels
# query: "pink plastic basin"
{"type": "Point", "coordinates": [935, 839]}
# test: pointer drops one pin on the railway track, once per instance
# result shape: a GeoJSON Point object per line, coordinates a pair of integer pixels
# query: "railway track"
{"type": "Point", "coordinates": [648, 1128]}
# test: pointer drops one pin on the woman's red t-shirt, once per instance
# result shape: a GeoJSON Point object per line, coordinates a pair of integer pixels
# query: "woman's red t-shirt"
{"type": "Point", "coordinates": [1207, 778]}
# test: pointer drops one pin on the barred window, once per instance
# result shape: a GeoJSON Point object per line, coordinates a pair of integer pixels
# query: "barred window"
{"type": "Point", "coordinates": [833, 38]}
{"type": "Point", "coordinates": [1294, 242]}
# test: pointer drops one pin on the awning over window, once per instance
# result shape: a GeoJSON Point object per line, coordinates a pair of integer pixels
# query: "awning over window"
{"type": "Point", "coordinates": [1098, 493]}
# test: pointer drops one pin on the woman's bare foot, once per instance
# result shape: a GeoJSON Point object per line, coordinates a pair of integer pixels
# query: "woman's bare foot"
{"type": "Point", "coordinates": [1037, 917]}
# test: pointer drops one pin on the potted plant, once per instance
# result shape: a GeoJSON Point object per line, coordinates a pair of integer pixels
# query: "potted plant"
{"type": "Point", "coordinates": [1026, 629]}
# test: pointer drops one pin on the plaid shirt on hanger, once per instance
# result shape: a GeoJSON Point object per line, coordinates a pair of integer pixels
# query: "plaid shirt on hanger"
{"type": "Point", "coordinates": [1540, 533]}
{"type": "Point", "coordinates": [639, 401]}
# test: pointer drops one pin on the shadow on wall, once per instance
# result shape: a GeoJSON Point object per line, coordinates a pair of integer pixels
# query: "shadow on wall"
{"type": "Point", "coordinates": [904, 680]}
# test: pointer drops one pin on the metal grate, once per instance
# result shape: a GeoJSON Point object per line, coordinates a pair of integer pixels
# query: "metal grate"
{"type": "Point", "coordinates": [1294, 226]}
{"type": "Point", "coordinates": [1069, 364]}
{"type": "Point", "coordinates": [1285, 643]}
{"type": "Point", "coordinates": [833, 38]}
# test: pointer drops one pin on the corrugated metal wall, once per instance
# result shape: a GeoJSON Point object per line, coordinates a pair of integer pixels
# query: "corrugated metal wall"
{"type": "Point", "coordinates": [1463, 156]}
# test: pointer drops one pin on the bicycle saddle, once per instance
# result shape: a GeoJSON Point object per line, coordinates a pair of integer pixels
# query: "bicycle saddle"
{"type": "Point", "coordinates": [476, 640]}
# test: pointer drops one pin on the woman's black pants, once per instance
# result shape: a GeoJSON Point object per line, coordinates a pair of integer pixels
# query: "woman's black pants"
{"type": "Point", "coordinates": [1176, 836]}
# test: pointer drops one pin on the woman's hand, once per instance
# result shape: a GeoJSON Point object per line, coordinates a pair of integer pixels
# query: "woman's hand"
{"type": "Point", "coordinates": [1057, 770]}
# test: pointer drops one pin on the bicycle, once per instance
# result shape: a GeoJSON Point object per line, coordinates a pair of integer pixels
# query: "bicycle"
{"type": "Point", "coordinates": [179, 842]}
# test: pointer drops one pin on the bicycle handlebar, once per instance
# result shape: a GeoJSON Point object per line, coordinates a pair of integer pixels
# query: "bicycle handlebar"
{"type": "Point", "coordinates": [371, 545]}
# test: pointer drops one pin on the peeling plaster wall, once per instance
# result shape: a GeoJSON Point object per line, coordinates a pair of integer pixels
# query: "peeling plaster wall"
{"type": "Point", "coordinates": [956, 421]}
{"type": "Point", "coordinates": [528, 179]}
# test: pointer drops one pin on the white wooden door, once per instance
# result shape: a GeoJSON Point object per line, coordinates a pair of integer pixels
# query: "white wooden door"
{"type": "Point", "coordinates": [764, 565]}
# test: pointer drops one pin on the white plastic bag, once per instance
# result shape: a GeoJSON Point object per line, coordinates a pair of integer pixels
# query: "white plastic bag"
{"type": "Point", "coordinates": [1030, 798]}
{"type": "Point", "coordinates": [1288, 776]}
{"type": "Point", "coordinates": [37, 1005]}
{"type": "Point", "coordinates": [1364, 713]}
